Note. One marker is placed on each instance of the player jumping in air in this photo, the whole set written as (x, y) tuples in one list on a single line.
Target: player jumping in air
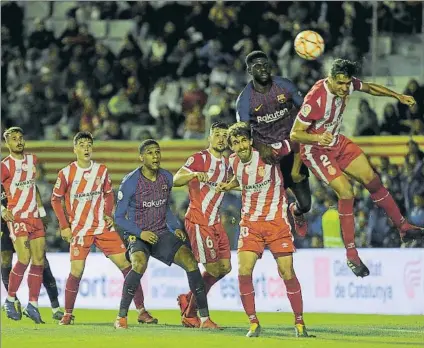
[(270, 104), (7, 251), (263, 224), (329, 154), (209, 241), (86, 188), (142, 212), (23, 217)]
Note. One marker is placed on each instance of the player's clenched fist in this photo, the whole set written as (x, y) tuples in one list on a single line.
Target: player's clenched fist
[(7, 215), (180, 234), (222, 187), (406, 99), (325, 139), (109, 221), (66, 234), (149, 237), (201, 176)]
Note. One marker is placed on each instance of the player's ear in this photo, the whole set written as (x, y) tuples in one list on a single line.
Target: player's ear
[(141, 158)]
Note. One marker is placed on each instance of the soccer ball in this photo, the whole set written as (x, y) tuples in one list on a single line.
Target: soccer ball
[(309, 44)]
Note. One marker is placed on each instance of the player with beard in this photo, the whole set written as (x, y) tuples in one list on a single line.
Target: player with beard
[(23, 217), (270, 104), (202, 172)]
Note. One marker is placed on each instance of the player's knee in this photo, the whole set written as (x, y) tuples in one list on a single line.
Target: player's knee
[(77, 269), (286, 273), (213, 269), (245, 270), (139, 262), (225, 268), (6, 259), (344, 192), (24, 256)]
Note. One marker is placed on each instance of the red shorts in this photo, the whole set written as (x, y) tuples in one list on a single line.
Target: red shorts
[(110, 243), (275, 234), (208, 243), (328, 163), (32, 228)]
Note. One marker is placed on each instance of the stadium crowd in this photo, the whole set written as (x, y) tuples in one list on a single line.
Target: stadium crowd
[(181, 66)]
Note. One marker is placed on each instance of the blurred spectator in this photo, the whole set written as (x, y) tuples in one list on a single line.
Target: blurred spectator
[(40, 38), (391, 123), (366, 120)]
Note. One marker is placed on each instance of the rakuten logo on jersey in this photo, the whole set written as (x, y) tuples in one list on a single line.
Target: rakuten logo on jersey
[(268, 118), (156, 204)]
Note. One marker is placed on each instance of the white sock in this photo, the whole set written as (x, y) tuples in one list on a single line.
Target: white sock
[(54, 310), (203, 319), (34, 303), (11, 299), (141, 310)]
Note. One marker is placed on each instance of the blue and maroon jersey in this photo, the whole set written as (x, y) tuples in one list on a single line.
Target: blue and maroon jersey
[(143, 205), (271, 115)]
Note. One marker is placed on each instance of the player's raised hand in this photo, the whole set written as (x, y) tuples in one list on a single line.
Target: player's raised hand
[(201, 176), (180, 234), (325, 139), (149, 237), (406, 99), (7, 215), (109, 221), (66, 234)]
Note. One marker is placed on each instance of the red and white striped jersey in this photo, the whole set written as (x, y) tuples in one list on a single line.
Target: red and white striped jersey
[(204, 200), (263, 194), (323, 111), (18, 179), (84, 190)]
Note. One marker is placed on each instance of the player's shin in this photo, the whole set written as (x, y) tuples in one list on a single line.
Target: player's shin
[(131, 283), (5, 273), (347, 223), (383, 199), (247, 295), (197, 287), (294, 294), (49, 283), (71, 292), (15, 279), (35, 279)]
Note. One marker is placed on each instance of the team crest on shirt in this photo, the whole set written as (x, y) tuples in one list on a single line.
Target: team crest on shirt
[(305, 110), (164, 188), (24, 167), (261, 171), (86, 176), (281, 98), (331, 170)]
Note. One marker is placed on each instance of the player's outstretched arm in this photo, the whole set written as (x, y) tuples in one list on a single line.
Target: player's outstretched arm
[(183, 177), (124, 197), (382, 91)]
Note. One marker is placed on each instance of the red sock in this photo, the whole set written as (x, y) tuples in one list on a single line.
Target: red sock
[(209, 280), (384, 200), (139, 295), (35, 279), (15, 278), (247, 295), (71, 292), (294, 293), (347, 224)]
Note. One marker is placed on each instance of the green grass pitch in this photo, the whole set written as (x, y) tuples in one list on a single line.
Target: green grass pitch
[(94, 329)]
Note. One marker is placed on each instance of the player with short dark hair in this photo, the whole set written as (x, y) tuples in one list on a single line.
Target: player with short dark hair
[(269, 104), (263, 224), (143, 213), (7, 251), (86, 189), (330, 155), (23, 217), (209, 241)]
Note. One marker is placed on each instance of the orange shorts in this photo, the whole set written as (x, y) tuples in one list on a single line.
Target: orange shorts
[(256, 235), (32, 228), (328, 163), (208, 243), (110, 243)]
